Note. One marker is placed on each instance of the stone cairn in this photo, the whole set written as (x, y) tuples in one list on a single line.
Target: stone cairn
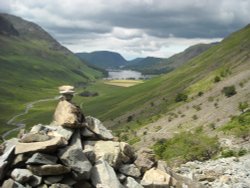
[(79, 152)]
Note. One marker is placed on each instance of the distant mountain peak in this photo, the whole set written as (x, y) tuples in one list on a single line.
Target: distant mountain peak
[(103, 59)]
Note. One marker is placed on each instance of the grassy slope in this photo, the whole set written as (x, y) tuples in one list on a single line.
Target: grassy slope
[(156, 96), (32, 69), (196, 75)]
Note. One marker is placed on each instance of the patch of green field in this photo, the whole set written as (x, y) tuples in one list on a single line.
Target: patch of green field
[(123, 83)]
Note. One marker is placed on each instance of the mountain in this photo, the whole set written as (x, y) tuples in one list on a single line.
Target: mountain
[(103, 59), (152, 65), (229, 59), (32, 65), (147, 65)]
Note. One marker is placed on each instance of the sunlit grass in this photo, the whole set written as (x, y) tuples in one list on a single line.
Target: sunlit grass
[(123, 83)]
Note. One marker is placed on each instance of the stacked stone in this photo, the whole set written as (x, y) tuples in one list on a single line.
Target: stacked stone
[(66, 155)]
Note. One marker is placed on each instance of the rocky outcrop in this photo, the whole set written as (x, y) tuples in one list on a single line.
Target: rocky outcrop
[(68, 159), (88, 156), (223, 173)]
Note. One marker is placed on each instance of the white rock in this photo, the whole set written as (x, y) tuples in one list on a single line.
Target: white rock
[(96, 126), (103, 175), (49, 145), (131, 183), (155, 177), (130, 170)]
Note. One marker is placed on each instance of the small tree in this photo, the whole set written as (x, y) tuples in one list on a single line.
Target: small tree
[(243, 106), (229, 91)]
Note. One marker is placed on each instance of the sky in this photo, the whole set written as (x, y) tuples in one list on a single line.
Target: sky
[(134, 28)]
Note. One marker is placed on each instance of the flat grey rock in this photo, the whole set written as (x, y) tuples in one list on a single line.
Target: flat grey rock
[(103, 175), (41, 158)]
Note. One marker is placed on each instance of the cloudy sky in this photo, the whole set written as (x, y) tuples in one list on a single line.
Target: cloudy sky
[(134, 28)]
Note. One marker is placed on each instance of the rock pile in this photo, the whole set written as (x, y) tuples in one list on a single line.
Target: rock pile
[(80, 153), (224, 173)]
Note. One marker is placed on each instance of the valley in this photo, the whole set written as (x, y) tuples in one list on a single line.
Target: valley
[(192, 106)]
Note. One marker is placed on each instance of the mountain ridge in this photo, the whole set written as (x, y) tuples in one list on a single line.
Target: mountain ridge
[(103, 59), (146, 65), (31, 63)]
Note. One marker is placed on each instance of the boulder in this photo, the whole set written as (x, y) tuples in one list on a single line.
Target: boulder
[(66, 115), (49, 180), (21, 175), (145, 159), (131, 183), (94, 125), (34, 137), (20, 160), (130, 170), (12, 184), (46, 170), (73, 157), (77, 161), (121, 177), (48, 146), (88, 134), (127, 151), (103, 175), (89, 150), (59, 185), (155, 178), (5, 160), (41, 158), (109, 151), (55, 130)]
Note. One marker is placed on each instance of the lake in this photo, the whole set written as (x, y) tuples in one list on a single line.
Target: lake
[(124, 74)]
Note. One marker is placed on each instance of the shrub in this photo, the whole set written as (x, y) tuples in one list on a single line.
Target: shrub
[(242, 152), (129, 118), (229, 91), (88, 94), (200, 93), (212, 126), (217, 79), (197, 107), (228, 153), (187, 146), (195, 117), (231, 153), (181, 97)]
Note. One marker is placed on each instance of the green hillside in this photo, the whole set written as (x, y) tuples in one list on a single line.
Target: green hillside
[(33, 65), (157, 96), (138, 105)]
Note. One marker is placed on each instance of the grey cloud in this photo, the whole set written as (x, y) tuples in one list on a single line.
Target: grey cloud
[(128, 21)]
